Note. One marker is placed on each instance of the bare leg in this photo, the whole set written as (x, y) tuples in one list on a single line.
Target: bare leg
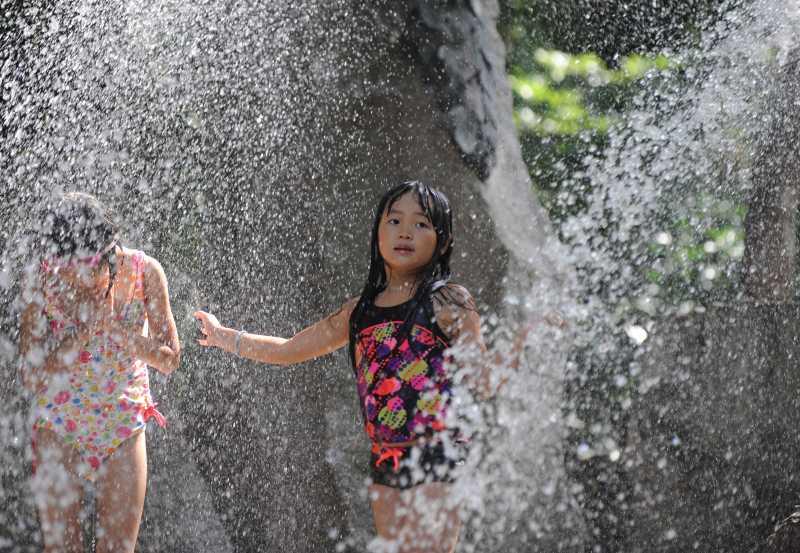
[(432, 522), (120, 496), (388, 518), (57, 490), (417, 520)]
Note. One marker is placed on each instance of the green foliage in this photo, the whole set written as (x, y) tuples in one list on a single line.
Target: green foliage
[(564, 110), (564, 106), (554, 100), (609, 28)]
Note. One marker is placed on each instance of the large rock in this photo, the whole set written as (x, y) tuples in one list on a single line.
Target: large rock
[(713, 446), (246, 148)]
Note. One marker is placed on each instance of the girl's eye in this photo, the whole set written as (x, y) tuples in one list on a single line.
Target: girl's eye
[(422, 225), (393, 221)]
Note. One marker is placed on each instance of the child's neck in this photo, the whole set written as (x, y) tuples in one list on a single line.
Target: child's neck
[(400, 286)]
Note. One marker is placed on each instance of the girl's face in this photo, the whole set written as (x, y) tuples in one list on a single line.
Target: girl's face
[(406, 237)]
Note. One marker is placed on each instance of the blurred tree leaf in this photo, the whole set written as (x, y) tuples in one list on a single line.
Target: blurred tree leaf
[(553, 100)]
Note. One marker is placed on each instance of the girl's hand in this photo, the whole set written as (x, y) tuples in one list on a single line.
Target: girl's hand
[(209, 327)]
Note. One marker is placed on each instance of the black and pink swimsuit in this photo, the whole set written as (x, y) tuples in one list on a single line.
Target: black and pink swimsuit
[(404, 388)]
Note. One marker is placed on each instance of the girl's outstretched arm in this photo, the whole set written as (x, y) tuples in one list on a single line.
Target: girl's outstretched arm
[(323, 337)]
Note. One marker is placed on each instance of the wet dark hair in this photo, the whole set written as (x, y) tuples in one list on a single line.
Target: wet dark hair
[(76, 224), (433, 276)]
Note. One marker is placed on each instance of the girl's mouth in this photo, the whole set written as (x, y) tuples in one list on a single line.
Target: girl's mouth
[(404, 249)]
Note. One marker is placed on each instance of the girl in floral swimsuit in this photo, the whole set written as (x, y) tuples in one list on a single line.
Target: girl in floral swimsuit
[(97, 312), (398, 331)]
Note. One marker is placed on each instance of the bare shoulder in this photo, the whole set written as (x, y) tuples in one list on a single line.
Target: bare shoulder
[(152, 267), (454, 308), (155, 280), (347, 308), (134, 260), (454, 297), (154, 276), (350, 304), (341, 317)]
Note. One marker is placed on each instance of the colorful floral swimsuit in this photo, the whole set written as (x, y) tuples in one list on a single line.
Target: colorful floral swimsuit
[(404, 390), (105, 397)]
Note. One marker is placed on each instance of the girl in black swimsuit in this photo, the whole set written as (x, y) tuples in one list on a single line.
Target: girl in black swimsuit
[(399, 331)]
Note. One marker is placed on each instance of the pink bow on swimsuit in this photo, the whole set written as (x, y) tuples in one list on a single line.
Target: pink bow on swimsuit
[(384, 453), (151, 411)]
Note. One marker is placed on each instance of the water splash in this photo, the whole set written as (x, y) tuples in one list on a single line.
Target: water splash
[(211, 130)]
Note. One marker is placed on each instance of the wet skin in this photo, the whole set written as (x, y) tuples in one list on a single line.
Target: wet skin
[(121, 480), (407, 242)]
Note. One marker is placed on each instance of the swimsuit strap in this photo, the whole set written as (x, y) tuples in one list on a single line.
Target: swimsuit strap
[(137, 263), (138, 268)]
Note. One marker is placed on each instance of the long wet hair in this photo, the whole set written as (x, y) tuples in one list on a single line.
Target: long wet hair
[(432, 277), (76, 224)]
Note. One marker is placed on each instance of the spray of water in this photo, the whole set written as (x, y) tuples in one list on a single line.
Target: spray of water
[(211, 130)]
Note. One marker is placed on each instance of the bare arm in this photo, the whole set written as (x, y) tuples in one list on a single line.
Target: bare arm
[(161, 349), (458, 317), (321, 338)]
